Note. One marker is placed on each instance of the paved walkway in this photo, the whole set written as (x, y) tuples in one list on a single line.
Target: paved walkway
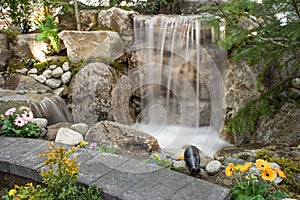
[(121, 177)]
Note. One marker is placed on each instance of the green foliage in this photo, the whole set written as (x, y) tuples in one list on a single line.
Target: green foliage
[(49, 31), (156, 160), (18, 124), (106, 149), (59, 180), (18, 11), (269, 102), (62, 6)]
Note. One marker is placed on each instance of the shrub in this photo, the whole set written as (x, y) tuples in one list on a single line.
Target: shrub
[(59, 178), (18, 123)]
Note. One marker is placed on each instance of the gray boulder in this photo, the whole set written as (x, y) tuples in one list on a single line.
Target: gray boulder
[(86, 45), (68, 136), (123, 138)]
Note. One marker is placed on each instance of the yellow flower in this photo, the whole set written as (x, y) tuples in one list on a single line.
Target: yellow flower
[(237, 168), (246, 167), (268, 174), (156, 156), (280, 173), (181, 157), (229, 169), (12, 192), (262, 164)]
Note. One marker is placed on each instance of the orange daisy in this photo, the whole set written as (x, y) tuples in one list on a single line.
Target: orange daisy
[(229, 169), (268, 174), (246, 167), (280, 173), (262, 164)]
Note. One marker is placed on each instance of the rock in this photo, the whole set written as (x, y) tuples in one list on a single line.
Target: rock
[(52, 67), (57, 72), (42, 122), (179, 163), (59, 91), (53, 83), (20, 46), (47, 73), (21, 82), (213, 167), (40, 78), (3, 41), (22, 71), (68, 136), (254, 171), (33, 71), (278, 180), (5, 56), (83, 45), (251, 159), (274, 165), (296, 83), (294, 93), (2, 81), (204, 161), (80, 127), (283, 126), (124, 138), (88, 19), (101, 100), (233, 160), (52, 129), (66, 77), (120, 20), (40, 50), (247, 23), (65, 66)]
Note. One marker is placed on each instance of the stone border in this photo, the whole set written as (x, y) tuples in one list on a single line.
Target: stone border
[(121, 177)]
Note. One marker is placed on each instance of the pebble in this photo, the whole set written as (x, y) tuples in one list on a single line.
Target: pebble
[(52, 67), (53, 83), (65, 66), (57, 72), (33, 71), (254, 171), (274, 165), (40, 78), (213, 167), (296, 83), (22, 71), (47, 73), (66, 77)]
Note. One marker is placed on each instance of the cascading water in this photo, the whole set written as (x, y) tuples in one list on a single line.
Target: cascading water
[(179, 79)]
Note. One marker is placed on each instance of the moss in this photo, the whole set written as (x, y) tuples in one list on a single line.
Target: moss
[(102, 28), (290, 166), (11, 35)]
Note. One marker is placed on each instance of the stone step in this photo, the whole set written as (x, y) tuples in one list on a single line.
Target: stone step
[(121, 177)]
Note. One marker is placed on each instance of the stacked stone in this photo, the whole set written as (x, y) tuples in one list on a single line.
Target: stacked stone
[(55, 77)]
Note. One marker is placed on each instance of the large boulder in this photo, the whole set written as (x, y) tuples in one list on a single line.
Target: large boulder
[(40, 50), (123, 138), (20, 46), (5, 56), (95, 97), (118, 19), (87, 45), (283, 126)]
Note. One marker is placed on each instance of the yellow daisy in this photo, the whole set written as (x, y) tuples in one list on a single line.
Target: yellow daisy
[(246, 167), (262, 164), (280, 173), (229, 169), (237, 168), (12, 192), (268, 174)]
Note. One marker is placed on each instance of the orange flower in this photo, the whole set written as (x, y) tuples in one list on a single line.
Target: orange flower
[(280, 173), (262, 164), (229, 169), (246, 167), (268, 174), (181, 157)]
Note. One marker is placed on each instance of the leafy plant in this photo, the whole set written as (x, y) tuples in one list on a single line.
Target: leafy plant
[(59, 178), (18, 11), (19, 124), (255, 186), (49, 31), (106, 148), (156, 160)]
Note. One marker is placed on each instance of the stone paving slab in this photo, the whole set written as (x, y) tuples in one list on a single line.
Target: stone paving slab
[(122, 178)]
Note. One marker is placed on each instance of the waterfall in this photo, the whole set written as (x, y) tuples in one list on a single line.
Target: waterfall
[(181, 82)]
